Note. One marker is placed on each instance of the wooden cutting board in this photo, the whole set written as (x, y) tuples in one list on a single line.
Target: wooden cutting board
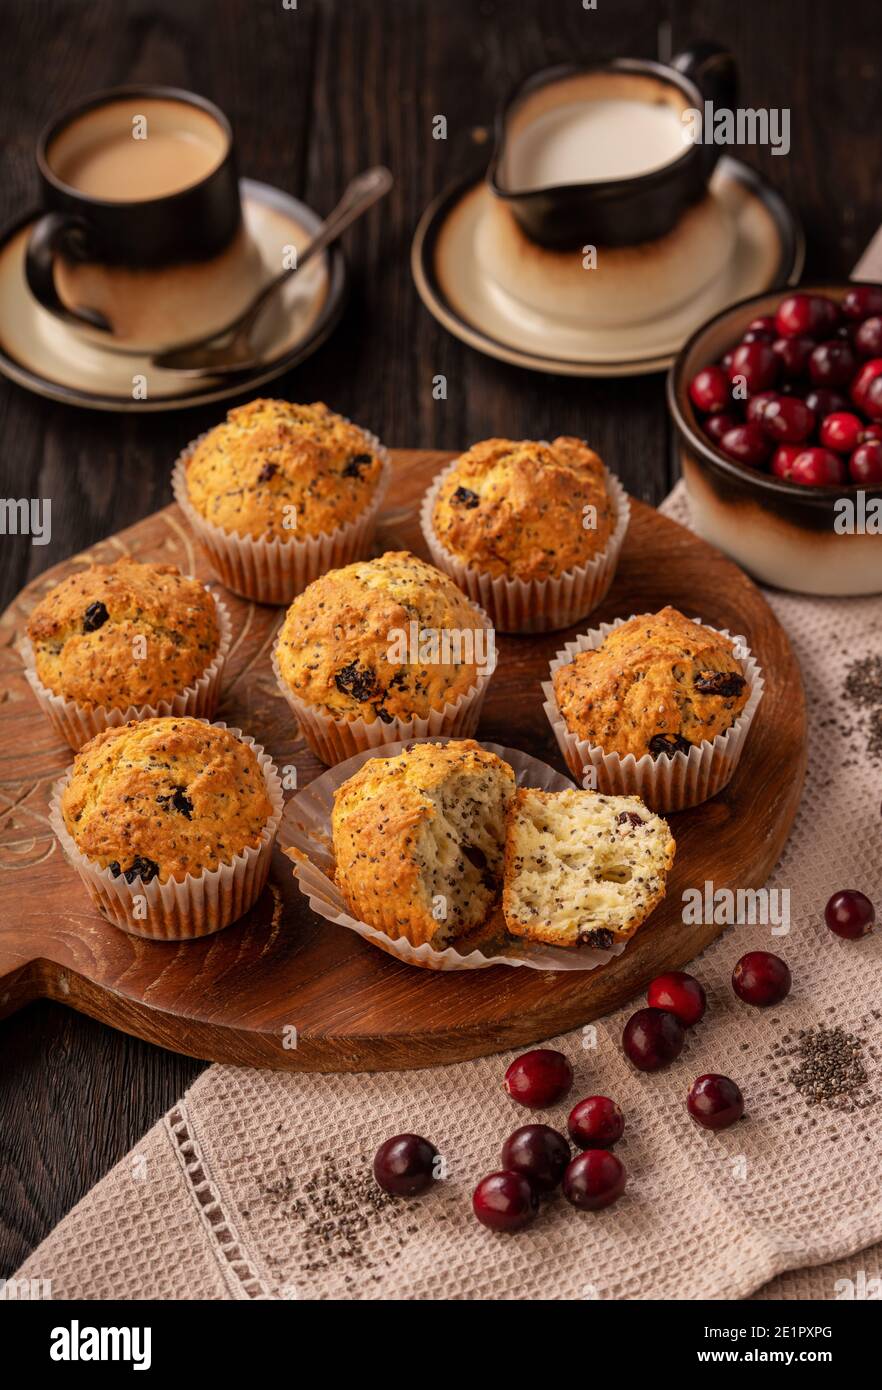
[(282, 975)]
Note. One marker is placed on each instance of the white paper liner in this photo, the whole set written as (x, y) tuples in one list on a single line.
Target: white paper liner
[(199, 904), (537, 605), (275, 571), (307, 831), (77, 725), (665, 784), (332, 740)]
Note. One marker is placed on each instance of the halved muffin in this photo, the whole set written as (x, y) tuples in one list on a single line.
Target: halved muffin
[(581, 868)]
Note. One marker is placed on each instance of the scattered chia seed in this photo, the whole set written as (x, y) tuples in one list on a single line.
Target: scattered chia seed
[(830, 1068), (863, 689)]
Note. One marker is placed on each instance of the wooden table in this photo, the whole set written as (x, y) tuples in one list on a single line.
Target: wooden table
[(315, 93)]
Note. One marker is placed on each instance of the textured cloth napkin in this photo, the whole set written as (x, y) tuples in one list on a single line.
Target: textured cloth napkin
[(258, 1183)]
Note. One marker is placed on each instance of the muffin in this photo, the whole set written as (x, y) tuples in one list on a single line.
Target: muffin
[(530, 530), (383, 650), (656, 705), (279, 493), (582, 869), (125, 641), (418, 840), (170, 823)]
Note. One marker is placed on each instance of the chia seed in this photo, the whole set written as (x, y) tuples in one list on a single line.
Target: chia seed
[(830, 1068), (863, 689)]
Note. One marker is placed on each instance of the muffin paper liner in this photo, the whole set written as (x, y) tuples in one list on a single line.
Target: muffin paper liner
[(196, 906), (332, 740), (275, 571), (536, 605), (665, 784), (77, 725), (306, 838)]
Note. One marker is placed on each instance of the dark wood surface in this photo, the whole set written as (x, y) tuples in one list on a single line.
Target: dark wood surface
[(316, 93), (231, 997)]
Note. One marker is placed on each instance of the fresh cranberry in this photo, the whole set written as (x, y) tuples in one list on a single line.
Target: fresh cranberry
[(850, 914), (653, 1038), (715, 426), (709, 390), (793, 355), (596, 1123), (841, 431), (714, 1101), (756, 364), (865, 464), (825, 402), (405, 1165), (505, 1201), (806, 314), (783, 458), (538, 1153), (817, 468), (726, 362), (757, 404), (832, 363), (594, 1179), (860, 387), (870, 432), (746, 444), (680, 994), (873, 399), (787, 420), (868, 338), (762, 979), (539, 1078), (862, 301), (765, 323), (758, 335)]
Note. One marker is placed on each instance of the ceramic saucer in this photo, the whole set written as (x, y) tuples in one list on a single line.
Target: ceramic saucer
[(47, 356), (483, 281)]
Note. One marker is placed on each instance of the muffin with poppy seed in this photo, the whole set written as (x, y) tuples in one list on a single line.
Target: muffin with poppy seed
[(530, 530), (279, 492), (128, 640), (658, 706), (382, 650), (170, 823)]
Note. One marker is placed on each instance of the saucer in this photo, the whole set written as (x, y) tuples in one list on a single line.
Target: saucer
[(50, 357), (757, 244)]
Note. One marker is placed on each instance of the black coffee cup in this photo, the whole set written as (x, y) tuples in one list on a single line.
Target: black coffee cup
[(613, 211), (141, 208)]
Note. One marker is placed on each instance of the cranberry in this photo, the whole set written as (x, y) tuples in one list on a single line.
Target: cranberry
[(405, 1165), (762, 979), (787, 420), (868, 338), (865, 464), (841, 431), (680, 994), (538, 1153), (504, 1201), (832, 363), (793, 355), (714, 1102), (870, 432), (850, 914), (805, 314), (746, 444), (539, 1078), (860, 387), (756, 364), (709, 390), (726, 362), (817, 468), (782, 460), (596, 1123), (757, 405), (594, 1179), (873, 399), (825, 402), (653, 1038), (758, 335), (717, 425), (765, 323), (861, 301)]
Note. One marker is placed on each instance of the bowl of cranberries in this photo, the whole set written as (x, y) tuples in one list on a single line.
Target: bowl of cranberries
[(777, 403)]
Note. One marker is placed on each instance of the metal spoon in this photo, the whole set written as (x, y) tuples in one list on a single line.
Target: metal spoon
[(228, 350)]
